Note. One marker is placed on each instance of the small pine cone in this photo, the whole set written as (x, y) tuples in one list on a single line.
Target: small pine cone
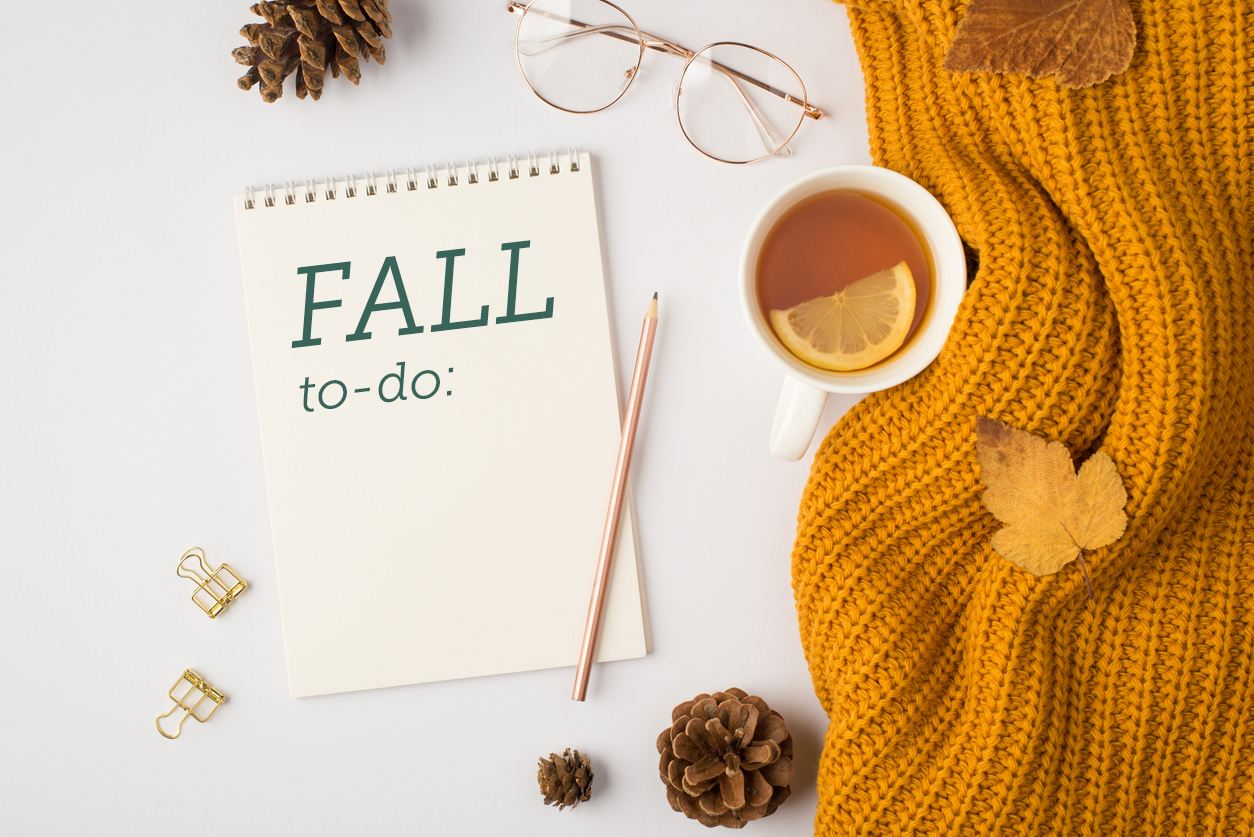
[(565, 779), (305, 38), (726, 759)]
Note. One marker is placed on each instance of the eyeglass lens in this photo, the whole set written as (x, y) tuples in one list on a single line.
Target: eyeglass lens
[(578, 55), (730, 103)]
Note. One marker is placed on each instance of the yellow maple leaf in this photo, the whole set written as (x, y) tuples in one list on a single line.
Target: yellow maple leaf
[(1051, 512)]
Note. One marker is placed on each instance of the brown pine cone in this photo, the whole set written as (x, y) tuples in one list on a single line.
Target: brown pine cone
[(565, 779), (726, 759), (306, 37)]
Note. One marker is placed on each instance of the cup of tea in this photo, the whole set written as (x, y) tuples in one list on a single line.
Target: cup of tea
[(850, 278)]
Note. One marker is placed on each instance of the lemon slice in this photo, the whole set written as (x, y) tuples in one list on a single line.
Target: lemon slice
[(853, 328)]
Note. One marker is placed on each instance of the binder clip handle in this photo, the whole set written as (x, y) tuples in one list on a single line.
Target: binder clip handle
[(188, 572), (179, 729)]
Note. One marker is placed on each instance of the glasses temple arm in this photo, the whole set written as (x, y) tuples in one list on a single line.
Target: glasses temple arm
[(771, 139), (809, 109), (615, 31), (612, 30)]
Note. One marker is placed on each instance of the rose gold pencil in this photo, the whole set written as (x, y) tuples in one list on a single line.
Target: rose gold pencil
[(616, 501)]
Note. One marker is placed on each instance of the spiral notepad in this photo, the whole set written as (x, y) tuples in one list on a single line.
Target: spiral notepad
[(439, 418)]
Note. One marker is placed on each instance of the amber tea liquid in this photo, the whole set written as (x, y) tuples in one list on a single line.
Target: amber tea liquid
[(834, 238)]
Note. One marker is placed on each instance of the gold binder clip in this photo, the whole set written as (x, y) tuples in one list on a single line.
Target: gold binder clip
[(215, 589), (189, 699)]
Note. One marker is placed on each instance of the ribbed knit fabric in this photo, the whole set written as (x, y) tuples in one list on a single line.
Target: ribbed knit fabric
[(1111, 309)]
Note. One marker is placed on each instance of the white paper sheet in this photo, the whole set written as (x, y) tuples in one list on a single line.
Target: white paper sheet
[(449, 529)]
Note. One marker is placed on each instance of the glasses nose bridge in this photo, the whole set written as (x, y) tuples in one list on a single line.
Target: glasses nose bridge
[(659, 44)]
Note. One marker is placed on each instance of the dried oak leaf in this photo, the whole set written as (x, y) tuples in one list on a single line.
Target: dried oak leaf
[(1080, 42), (1050, 511)]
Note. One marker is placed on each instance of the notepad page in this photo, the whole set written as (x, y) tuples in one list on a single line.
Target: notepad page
[(440, 420)]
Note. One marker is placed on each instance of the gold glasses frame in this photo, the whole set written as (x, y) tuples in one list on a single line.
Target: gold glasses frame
[(649, 41)]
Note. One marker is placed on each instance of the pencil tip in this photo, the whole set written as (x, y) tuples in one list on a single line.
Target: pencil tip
[(655, 294), (651, 314)]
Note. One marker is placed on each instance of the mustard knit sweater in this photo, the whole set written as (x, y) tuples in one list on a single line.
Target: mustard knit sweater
[(1111, 309)]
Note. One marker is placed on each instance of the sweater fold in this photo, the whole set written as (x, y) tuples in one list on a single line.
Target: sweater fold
[(1110, 310)]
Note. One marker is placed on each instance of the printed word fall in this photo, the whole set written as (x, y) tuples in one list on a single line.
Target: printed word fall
[(391, 271)]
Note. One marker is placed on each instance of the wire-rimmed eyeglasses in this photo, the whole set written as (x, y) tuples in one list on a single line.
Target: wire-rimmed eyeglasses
[(736, 103)]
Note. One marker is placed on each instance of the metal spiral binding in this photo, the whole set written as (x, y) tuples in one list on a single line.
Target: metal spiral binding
[(436, 177)]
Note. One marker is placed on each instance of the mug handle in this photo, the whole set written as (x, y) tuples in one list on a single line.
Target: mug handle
[(796, 418)]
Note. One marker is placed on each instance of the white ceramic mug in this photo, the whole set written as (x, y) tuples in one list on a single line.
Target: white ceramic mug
[(806, 387)]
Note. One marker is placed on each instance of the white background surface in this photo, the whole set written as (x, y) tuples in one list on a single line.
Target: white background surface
[(129, 430)]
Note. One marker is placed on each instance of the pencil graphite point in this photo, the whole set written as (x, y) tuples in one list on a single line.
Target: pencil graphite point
[(652, 312)]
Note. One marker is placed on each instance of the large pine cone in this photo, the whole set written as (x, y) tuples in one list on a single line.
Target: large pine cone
[(726, 759), (565, 779), (306, 37)]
